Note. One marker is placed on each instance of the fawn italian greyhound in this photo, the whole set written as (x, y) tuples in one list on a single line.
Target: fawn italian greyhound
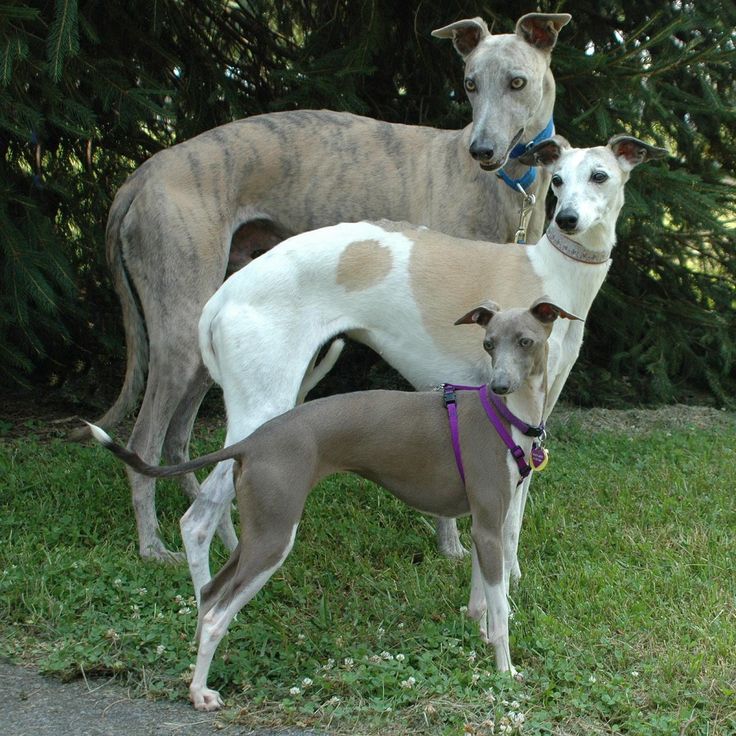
[(448, 454), (207, 206), (398, 289)]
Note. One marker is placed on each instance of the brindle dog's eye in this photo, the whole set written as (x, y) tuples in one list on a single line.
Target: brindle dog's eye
[(517, 83), (557, 180), (470, 85), (599, 177), (526, 342)]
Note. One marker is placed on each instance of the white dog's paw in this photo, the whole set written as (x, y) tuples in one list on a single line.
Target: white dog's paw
[(205, 699), (515, 572)]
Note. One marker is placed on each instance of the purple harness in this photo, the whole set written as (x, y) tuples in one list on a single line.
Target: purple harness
[(493, 407)]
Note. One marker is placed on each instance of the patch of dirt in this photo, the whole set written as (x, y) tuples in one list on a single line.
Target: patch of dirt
[(675, 416)]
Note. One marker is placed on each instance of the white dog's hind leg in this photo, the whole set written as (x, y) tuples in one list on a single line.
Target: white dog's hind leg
[(202, 518)]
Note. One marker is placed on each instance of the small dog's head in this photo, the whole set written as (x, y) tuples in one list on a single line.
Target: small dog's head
[(515, 339)]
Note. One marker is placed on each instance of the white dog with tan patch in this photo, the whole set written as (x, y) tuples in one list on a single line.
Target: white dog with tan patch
[(398, 290)]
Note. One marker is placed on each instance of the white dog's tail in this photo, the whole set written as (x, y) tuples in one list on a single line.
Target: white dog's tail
[(162, 471), (314, 374)]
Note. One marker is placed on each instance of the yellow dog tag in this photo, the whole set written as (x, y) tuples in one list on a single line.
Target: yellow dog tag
[(538, 458)]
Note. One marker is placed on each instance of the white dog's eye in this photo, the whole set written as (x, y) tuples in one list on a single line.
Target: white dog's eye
[(526, 342), (517, 83), (599, 177), (489, 344), (470, 85), (557, 180)]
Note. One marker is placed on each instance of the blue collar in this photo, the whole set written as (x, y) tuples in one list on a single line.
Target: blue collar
[(527, 179)]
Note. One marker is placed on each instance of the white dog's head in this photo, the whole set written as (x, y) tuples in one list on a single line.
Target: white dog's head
[(589, 182)]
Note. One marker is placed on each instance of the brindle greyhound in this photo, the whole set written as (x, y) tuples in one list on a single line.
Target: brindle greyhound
[(401, 440), (243, 187), (398, 290)]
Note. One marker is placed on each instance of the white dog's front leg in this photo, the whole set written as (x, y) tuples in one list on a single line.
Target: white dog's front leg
[(511, 533), (448, 539)]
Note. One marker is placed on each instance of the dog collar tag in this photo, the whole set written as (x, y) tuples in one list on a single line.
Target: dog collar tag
[(538, 458)]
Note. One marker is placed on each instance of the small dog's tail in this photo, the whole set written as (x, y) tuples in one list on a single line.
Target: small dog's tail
[(162, 471)]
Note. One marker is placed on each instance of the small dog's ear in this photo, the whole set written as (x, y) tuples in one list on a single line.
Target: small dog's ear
[(541, 29), (631, 151), (546, 312), (465, 34), (546, 152), (480, 315)]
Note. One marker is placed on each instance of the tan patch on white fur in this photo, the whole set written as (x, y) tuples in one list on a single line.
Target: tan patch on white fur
[(363, 264), (449, 276)]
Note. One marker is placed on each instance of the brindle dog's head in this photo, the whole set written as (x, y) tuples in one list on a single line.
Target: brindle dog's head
[(507, 80)]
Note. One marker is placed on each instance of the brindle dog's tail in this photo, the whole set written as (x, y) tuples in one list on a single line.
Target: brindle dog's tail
[(136, 339), (161, 471)]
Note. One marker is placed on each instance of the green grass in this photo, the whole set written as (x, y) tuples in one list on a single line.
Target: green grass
[(624, 621)]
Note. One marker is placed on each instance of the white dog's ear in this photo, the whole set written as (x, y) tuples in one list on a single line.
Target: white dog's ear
[(631, 151), (541, 29), (465, 34), (546, 152), (545, 311), (480, 315)]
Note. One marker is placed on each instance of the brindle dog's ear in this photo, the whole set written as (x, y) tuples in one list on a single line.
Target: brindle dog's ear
[(546, 152), (541, 29), (545, 311), (465, 34), (480, 315), (631, 151)]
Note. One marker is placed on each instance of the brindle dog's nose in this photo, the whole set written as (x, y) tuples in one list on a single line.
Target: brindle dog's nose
[(481, 152)]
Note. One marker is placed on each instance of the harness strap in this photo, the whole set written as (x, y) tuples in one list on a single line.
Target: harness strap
[(489, 401), (530, 176), (516, 452), (528, 430), (448, 396)]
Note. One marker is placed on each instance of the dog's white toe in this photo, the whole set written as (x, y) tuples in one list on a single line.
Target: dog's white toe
[(206, 699)]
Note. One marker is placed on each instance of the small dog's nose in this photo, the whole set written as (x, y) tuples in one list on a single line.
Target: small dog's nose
[(500, 388), (481, 152), (567, 220)]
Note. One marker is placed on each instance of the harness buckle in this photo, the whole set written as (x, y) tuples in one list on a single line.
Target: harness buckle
[(448, 394), (517, 453)]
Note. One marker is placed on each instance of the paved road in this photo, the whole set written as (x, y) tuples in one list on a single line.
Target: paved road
[(33, 705)]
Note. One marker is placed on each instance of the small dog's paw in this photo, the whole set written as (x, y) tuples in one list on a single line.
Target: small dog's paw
[(205, 699)]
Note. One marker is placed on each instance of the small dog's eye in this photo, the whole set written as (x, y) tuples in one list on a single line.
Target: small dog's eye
[(489, 344), (599, 177), (470, 85), (556, 180), (517, 83), (526, 342)]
